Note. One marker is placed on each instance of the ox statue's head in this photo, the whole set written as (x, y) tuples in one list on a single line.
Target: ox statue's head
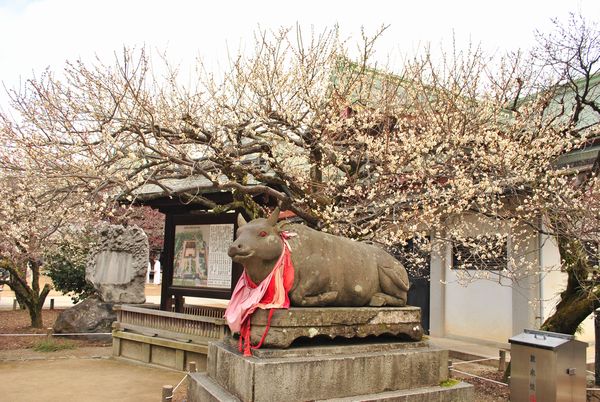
[(257, 245)]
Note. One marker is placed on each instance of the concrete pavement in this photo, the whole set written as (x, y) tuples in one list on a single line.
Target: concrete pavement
[(470, 350), (475, 350)]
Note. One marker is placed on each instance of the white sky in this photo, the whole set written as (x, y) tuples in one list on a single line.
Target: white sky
[(39, 33)]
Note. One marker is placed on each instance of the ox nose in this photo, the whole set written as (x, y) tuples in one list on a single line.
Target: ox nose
[(234, 249)]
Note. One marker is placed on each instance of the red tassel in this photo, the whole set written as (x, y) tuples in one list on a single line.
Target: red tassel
[(262, 339), (247, 351), (244, 344)]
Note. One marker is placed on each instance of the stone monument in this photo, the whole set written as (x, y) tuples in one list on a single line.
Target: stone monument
[(348, 334), (116, 266)]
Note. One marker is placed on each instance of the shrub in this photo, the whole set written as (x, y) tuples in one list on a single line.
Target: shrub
[(65, 265), (50, 345)]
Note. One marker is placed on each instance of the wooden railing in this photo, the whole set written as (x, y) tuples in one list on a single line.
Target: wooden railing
[(200, 325), (204, 311)]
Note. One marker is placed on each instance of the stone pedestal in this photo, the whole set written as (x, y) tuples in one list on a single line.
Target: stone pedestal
[(343, 322), (380, 369)]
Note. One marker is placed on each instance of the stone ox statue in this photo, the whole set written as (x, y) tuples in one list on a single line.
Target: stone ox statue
[(328, 270)]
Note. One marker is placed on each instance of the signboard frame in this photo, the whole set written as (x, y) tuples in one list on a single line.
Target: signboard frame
[(174, 293)]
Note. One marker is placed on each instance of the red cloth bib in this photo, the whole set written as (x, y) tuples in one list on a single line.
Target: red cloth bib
[(271, 293)]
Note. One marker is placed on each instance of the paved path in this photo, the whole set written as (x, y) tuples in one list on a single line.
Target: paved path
[(60, 301), (472, 350), (89, 380)]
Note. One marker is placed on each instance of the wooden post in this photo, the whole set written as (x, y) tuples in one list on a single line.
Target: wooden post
[(192, 367), (179, 301), (168, 302), (146, 352), (502, 361), (167, 393), (48, 334), (51, 304), (116, 346), (179, 359), (15, 304)]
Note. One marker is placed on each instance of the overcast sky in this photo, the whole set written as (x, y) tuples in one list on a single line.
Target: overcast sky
[(39, 33)]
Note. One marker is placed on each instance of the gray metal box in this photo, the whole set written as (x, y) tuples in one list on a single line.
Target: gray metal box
[(547, 367)]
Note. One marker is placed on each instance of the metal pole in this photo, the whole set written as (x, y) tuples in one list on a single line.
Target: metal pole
[(51, 304)]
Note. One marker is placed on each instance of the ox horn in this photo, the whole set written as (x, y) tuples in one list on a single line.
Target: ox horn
[(241, 221), (272, 220)]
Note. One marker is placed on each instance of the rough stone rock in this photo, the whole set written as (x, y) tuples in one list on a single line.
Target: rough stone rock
[(91, 315), (117, 264)]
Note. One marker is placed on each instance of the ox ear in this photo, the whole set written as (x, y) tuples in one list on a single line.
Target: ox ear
[(241, 221), (272, 220)]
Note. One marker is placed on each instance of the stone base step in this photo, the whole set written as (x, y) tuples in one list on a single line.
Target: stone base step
[(311, 373), (461, 392), (203, 389)]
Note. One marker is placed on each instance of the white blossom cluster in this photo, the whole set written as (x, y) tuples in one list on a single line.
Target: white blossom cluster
[(350, 149)]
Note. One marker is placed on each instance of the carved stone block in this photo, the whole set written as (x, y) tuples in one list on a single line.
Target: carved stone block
[(332, 322), (117, 264)]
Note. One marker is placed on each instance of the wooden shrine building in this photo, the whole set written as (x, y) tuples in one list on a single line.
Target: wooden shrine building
[(194, 260)]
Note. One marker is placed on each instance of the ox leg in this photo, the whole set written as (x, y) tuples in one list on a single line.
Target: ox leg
[(323, 299), (381, 299), (393, 281), (311, 291)]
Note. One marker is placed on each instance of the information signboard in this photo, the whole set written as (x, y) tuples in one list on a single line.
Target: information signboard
[(200, 256)]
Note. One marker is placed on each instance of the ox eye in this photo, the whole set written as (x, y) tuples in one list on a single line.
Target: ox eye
[(263, 234)]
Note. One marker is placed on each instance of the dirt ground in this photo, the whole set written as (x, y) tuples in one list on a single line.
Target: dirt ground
[(18, 322), (83, 373), (83, 379), (485, 391)]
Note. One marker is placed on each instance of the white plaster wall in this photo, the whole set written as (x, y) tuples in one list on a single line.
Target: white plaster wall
[(587, 330), (524, 260), (437, 300), (553, 281), (481, 308), (492, 309)]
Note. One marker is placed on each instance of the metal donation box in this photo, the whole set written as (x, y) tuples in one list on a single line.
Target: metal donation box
[(547, 367)]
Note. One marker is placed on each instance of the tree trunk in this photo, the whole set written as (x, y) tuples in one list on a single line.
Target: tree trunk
[(36, 317), (570, 312), (579, 299), (20, 299), (29, 296)]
